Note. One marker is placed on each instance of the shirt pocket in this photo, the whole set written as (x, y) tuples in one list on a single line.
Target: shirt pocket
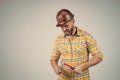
[(64, 49), (80, 48)]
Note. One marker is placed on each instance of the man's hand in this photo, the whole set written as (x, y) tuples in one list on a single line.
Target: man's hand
[(55, 66), (57, 70), (93, 61), (79, 69)]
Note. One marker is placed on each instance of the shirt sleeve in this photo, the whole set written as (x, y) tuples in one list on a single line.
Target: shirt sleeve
[(93, 47), (56, 53)]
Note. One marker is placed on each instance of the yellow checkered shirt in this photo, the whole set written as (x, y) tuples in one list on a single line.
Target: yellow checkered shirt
[(75, 52)]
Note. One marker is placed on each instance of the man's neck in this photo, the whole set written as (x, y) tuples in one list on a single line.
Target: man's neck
[(73, 33)]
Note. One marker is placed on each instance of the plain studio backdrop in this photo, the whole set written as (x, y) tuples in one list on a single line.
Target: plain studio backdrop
[(28, 30)]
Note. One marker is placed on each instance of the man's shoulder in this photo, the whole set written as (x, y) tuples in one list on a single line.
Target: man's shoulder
[(60, 36), (85, 34), (82, 32)]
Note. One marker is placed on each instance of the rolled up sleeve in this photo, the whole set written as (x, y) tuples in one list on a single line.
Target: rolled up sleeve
[(56, 53), (93, 47)]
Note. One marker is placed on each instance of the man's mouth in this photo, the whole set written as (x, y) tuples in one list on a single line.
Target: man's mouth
[(67, 31)]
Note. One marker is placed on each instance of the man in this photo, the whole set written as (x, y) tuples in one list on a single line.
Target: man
[(70, 57)]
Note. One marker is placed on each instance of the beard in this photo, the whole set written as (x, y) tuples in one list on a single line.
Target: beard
[(68, 32)]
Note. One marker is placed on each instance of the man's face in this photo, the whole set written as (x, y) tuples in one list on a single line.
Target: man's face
[(67, 28)]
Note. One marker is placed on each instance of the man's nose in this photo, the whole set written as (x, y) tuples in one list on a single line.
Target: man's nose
[(64, 28)]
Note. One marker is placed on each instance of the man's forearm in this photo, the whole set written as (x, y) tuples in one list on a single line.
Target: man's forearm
[(93, 61), (55, 66), (54, 63)]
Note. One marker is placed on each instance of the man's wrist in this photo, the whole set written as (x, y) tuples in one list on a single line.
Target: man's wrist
[(84, 66)]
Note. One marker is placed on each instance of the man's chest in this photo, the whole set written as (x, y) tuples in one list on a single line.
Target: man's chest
[(76, 45)]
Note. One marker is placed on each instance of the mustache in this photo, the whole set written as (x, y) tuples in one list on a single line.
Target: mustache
[(66, 30)]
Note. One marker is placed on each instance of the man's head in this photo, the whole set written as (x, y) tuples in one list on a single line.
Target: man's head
[(65, 20)]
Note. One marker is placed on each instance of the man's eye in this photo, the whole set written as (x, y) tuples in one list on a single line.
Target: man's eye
[(66, 26)]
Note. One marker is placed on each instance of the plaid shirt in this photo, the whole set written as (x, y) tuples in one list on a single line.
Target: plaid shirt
[(75, 52)]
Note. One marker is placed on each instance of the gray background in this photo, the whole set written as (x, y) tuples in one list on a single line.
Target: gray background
[(27, 33)]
